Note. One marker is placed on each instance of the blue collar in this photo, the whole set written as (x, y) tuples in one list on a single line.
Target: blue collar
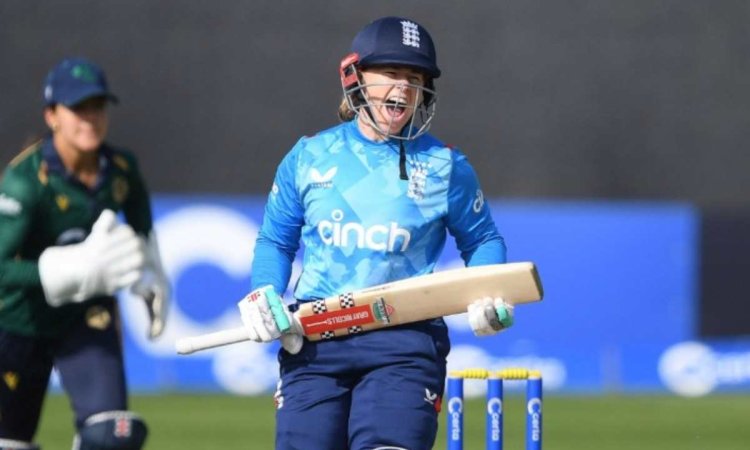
[(55, 165)]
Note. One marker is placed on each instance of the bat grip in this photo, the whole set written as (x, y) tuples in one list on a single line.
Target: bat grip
[(278, 310), (188, 345)]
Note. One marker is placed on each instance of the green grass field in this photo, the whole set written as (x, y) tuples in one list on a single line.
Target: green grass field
[(222, 422)]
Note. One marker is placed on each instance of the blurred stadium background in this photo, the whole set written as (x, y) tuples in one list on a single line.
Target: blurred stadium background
[(611, 137)]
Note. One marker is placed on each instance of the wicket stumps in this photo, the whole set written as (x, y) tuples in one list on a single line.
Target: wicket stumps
[(494, 406)]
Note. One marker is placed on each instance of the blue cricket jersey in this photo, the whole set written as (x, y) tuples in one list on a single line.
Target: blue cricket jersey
[(340, 195)]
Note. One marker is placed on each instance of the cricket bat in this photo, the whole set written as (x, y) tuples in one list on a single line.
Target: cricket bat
[(399, 302)]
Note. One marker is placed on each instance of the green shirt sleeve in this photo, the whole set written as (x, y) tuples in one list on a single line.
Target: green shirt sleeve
[(137, 207), (18, 197)]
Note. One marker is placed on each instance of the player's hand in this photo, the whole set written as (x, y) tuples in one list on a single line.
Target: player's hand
[(111, 258), (266, 318), (488, 316), (154, 288)]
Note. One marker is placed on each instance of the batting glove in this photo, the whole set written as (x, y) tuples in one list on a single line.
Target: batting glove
[(488, 316), (266, 319)]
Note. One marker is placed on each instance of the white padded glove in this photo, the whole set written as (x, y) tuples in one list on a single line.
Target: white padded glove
[(488, 316), (110, 258), (11, 444), (154, 288), (266, 318)]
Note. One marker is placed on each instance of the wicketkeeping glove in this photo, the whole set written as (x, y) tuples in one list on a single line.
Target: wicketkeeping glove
[(266, 318), (110, 258), (488, 316), (154, 288)]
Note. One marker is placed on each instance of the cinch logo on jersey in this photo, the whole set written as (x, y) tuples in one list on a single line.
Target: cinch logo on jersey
[(376, 237)]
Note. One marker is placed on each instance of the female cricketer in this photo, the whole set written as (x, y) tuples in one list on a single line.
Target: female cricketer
[(372, 200), (63, 255)]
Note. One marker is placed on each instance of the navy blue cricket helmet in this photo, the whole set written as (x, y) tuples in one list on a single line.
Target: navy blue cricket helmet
[(391, 41), (396, 41)]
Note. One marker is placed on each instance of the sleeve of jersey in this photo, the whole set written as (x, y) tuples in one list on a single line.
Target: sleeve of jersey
[(469, 218), (137, 207), (17, 200), (278, 240)]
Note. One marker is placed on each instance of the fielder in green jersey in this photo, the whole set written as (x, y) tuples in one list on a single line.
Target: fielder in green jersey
[(41, 206), (64, 254)]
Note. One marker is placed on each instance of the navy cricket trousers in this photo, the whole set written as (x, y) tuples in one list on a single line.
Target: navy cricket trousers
[(89, 361), (376, 389)]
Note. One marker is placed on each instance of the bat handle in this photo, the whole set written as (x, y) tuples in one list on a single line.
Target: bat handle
[(278, 310), (188, 345)]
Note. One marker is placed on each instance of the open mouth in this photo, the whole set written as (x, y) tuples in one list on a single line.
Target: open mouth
[(396, 107)]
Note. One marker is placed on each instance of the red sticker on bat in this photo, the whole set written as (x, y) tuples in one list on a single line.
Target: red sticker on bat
[(334, 320)]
